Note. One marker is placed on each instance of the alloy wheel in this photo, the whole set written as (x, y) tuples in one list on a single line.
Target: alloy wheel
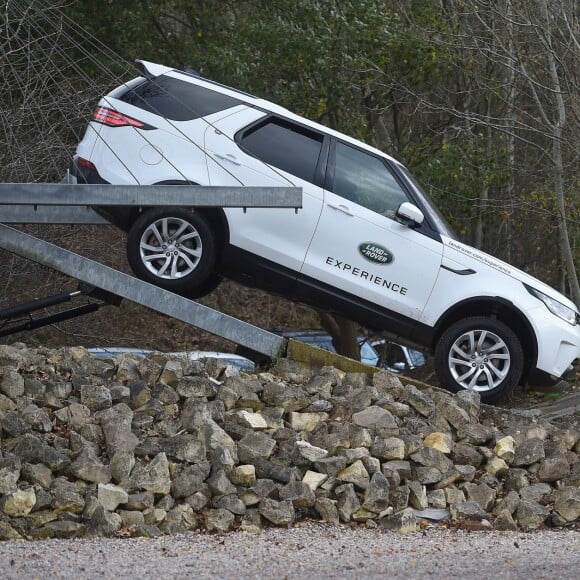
[(170, 248), (479, 360)]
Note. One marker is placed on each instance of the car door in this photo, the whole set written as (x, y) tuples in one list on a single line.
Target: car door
[(252, 149), (360, 247)]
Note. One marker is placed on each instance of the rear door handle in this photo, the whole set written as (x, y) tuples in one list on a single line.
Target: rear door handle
[(342, 208), (229, 157)]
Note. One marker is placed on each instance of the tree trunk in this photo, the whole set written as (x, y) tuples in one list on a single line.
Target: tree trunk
[(343, 333), (558, 164)]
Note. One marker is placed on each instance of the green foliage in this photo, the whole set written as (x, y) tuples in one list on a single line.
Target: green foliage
[(457, 173)]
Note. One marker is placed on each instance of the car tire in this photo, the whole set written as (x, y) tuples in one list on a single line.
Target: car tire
[(480, 354), (212, 282), (184, 264)]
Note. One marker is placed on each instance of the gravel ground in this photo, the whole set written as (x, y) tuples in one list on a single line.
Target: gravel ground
[(309, 551)]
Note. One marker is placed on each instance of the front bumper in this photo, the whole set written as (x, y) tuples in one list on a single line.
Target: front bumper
[(538, 378), (558, 344)]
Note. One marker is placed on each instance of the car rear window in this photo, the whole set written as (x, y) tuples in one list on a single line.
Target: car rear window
[(177, 100)]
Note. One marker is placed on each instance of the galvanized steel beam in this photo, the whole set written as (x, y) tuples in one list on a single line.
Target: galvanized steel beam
[(50, 214), (67, 194), (96, 274)]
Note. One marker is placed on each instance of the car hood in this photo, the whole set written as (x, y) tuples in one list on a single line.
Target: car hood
[(470, 257)]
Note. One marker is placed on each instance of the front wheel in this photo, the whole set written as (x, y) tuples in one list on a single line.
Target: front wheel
[(175, 249), (480, 354)]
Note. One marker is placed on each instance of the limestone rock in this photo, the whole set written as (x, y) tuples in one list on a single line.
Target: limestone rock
[(418, 400), (417, 495), (554, 469), (530, 515), (12, 384), (403, 522), (327, 510), (567, 504), (388, 448), (253, 445), (116, 425), (467, 510), (314, 479), (528, 452), (355, 474), (376, 497), (187, 447), (348, 503), (18, 503), (306, 421), (505, 448), (36, 474), (219, 520), (189, 479), (195, 387), (243, 475), (67, 497), (251, 420), (289, 397), (482, 494), (111, 496), (280, 513), (220, 484), (95, 397), (440, 441), (431, 457), (87, 466), (188, 451), (153, 476), (375, 418), (31, 449), (311, 452), (299, 493), (10, 468), (504, 522), (104, 523), (496, 466)]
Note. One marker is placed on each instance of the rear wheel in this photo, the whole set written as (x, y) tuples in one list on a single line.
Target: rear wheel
[(175, 249), (480, 354)]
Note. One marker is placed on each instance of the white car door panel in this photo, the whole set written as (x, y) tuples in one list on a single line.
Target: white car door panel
[(366, 252), (373, 257), (280, 235)]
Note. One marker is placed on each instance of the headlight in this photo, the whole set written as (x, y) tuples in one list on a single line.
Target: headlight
[(556, 308)]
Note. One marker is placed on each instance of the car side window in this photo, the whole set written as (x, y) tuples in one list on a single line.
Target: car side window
[(395, 355), (286, 146), (366, 180)]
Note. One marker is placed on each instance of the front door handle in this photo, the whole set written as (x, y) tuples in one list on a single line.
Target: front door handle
[(342, 208)]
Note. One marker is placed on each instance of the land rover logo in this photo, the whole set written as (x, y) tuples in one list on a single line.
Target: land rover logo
[(376, 253)]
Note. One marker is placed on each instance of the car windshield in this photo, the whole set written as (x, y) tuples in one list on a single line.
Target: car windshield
[(436, 216)]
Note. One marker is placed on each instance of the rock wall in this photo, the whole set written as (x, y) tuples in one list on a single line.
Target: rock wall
[(125, 446)]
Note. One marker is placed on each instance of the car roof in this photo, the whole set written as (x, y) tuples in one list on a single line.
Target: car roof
[(151, 70)]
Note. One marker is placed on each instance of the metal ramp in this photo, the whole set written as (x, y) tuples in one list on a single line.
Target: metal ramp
[(29, 203)]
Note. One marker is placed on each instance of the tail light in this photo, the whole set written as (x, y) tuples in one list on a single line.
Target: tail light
[(82, 162), (113, 118)]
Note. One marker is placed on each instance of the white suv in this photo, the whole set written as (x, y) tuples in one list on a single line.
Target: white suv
[(368, 243)]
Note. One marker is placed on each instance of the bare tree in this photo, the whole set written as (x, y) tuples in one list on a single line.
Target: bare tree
[(516, 82), (549, 74)]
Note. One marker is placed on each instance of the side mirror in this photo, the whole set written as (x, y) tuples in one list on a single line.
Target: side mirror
[(410, 215)]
